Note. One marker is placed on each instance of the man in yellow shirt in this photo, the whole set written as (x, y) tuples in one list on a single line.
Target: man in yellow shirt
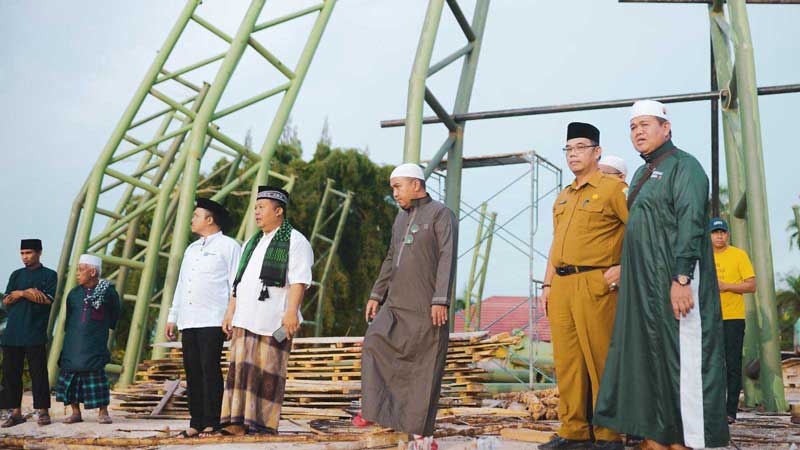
[(736, 277)]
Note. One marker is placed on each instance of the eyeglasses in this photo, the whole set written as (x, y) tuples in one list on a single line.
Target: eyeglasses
[(580, 148)]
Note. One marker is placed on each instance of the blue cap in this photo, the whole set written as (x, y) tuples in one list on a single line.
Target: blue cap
[(718, 224)]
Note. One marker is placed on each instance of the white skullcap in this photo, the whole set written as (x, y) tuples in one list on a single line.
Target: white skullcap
[(615, 162), (649, 108), (408, 170), (91, 260)]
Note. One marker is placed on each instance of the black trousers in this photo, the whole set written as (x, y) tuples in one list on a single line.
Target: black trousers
[(13, 363), (734, 340), (202, 350)]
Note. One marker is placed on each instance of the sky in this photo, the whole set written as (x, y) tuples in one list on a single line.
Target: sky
[(69, 70)]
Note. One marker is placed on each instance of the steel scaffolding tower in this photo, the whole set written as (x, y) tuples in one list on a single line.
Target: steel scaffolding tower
[(341, 208), (158, 186), (733, 70)]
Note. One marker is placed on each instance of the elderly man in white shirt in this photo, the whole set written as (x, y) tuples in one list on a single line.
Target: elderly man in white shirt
[(262, 317), (205, 285)]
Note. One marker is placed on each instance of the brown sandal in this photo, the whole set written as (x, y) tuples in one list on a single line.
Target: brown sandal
[(44, 419), (73, 419), (104, 419)]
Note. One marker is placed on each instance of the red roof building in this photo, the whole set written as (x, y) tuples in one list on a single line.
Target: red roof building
[(512, 313)]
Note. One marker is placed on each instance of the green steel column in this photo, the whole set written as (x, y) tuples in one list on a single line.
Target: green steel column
[(133, 227), (416, 83), (473, 271), (64, 259), (326, 195), (186, 204), (482, 282), (757, 210), (96, 176), (735, 178), (463, 96), (329, 262), (287, 102)]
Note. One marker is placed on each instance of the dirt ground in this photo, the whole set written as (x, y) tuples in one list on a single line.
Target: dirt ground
[(752, 431)]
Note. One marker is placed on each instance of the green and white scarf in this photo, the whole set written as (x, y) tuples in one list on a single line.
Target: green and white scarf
[(276, 260)]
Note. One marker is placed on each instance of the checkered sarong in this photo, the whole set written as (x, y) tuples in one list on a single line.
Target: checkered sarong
[(89, 388), (256, 381)]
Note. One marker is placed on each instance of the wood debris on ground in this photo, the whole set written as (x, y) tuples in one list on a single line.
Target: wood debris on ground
[(541, 405), (323, 379)]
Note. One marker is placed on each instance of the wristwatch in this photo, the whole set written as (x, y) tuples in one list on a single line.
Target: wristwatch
[(683, 280)]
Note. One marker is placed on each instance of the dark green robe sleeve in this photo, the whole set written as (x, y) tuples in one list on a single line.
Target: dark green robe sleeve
[(11, 286), (690, 195), (50, 284)]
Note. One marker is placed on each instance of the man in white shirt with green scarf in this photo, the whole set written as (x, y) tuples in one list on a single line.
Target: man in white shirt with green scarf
[(274, 273)]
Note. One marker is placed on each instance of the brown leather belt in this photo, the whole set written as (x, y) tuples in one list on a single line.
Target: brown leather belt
[(572, 270)]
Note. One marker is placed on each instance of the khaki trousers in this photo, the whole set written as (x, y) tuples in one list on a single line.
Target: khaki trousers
[(581, 312)]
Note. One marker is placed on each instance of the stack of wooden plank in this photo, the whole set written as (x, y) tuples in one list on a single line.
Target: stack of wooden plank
[(791, 373), (324, 377)]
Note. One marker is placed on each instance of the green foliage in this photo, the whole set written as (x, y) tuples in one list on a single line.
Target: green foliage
[(788, 302), (794, 234)]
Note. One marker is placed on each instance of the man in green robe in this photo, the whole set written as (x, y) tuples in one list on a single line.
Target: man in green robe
[(664, 378), (92, 311), (27, 301)]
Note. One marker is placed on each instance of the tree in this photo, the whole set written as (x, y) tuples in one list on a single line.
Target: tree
[(788, 302), (794, 229)]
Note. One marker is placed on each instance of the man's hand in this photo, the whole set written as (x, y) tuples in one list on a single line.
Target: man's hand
[(723, 286), (438, 315), (681, 298), (372, 310), (36, 296), (227, 324), (13, 297), (545, 297), (612, 277), (290, 323), (170, 331)]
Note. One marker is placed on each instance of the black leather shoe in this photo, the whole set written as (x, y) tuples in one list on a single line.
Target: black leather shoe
[(561, 443), (632, 440), (608, 445)]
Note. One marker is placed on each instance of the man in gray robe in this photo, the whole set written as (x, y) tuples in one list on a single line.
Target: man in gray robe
[(405, 346)]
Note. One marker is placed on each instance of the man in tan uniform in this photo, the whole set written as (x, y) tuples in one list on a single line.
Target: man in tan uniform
[(580, 286)]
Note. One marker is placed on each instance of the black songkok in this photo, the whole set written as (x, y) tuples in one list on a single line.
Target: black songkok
[(221, 216), (31, 244), (583, 130)]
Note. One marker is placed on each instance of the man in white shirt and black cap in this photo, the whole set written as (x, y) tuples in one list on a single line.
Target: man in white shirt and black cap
[(263, 315), (205, 286)]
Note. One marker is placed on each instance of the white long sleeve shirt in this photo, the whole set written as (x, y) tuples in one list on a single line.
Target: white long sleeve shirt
[(205, 282), (264, 317)]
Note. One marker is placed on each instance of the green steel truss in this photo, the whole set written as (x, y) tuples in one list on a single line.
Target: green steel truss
[(473, 296), (152, 179), (334, 203), (735, 71), (419, 94)]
